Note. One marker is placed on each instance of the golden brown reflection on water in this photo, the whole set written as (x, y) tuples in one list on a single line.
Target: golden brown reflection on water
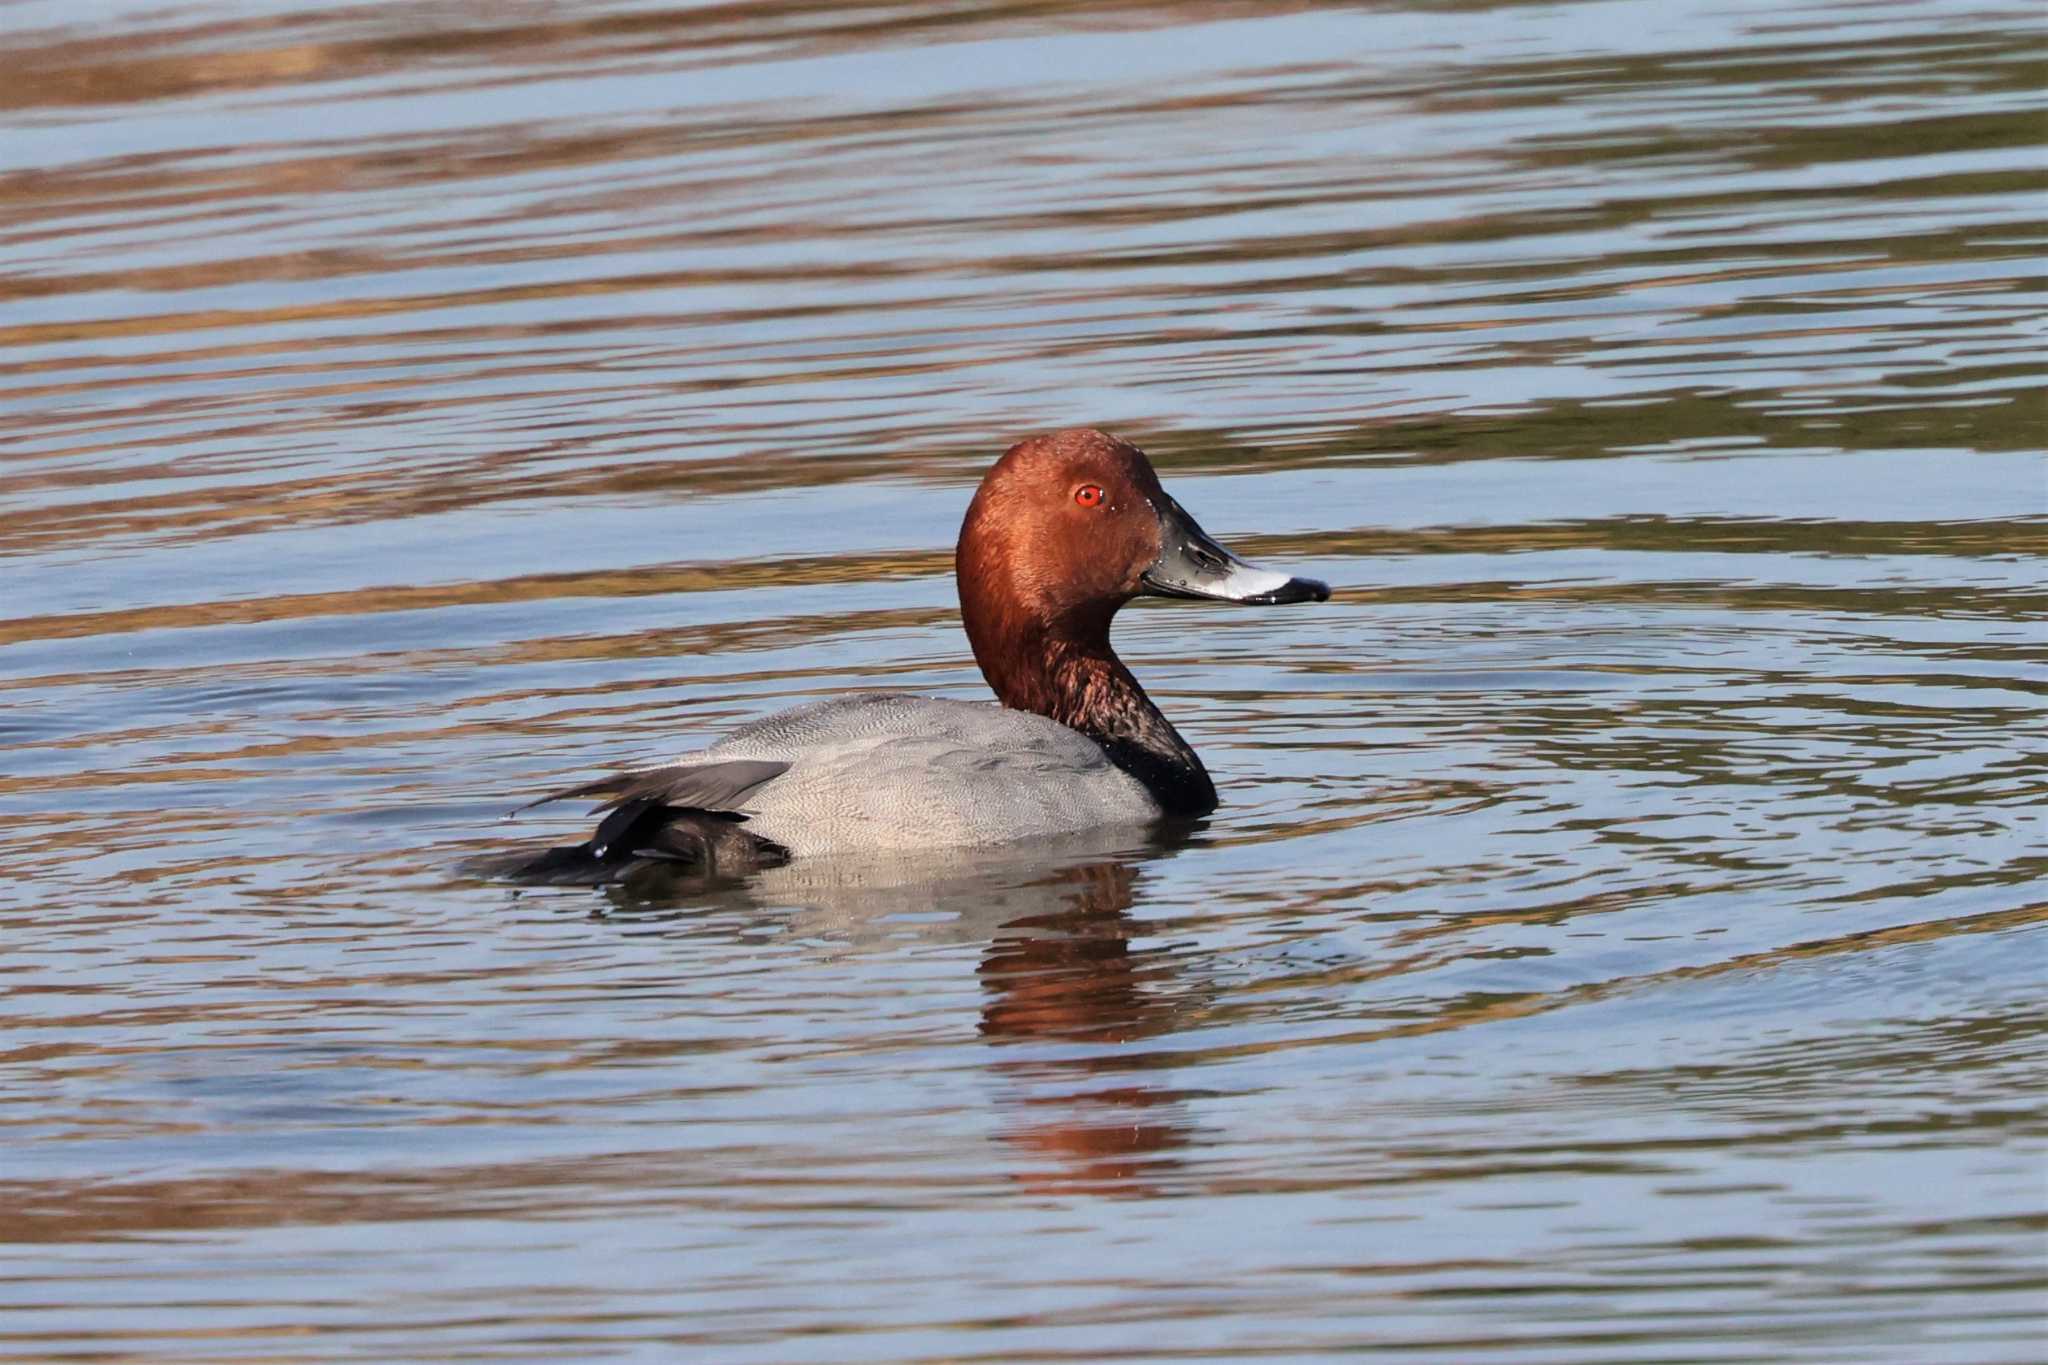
[(1621, 940)]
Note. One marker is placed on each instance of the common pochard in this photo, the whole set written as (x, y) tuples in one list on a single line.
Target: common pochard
[(1063, 531)]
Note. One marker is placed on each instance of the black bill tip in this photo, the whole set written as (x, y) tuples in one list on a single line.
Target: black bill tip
[(1293, 590)]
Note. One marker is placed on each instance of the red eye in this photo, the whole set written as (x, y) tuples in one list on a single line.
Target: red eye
[(1089, 495)]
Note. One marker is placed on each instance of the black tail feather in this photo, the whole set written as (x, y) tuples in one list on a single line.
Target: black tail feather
[(641, 838)]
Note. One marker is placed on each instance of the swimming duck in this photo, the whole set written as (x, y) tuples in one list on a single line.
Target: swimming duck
[(1063, 531)]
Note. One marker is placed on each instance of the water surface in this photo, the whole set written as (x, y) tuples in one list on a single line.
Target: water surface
[(1623, 935)]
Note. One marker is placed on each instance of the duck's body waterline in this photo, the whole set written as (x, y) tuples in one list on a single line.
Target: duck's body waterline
[(931, 773), (1062, 532)]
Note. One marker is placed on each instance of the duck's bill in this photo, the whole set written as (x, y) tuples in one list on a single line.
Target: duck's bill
[(1192, 565)]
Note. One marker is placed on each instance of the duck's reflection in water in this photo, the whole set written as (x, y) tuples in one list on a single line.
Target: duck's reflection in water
[(1069, 974), (1065, 997)]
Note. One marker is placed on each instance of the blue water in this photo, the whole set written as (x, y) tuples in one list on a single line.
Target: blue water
[(1621, 939)]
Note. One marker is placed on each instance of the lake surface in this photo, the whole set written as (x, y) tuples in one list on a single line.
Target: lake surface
[(1624, 936)]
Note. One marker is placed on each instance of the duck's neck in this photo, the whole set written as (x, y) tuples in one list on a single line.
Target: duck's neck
[(1071, 675)]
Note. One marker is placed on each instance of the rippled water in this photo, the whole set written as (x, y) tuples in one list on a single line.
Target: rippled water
[(1623, 935)]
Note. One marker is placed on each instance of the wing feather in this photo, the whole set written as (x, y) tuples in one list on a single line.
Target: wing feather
[(719, 786)]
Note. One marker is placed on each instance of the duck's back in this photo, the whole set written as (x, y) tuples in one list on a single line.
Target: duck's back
[(881, 770)]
